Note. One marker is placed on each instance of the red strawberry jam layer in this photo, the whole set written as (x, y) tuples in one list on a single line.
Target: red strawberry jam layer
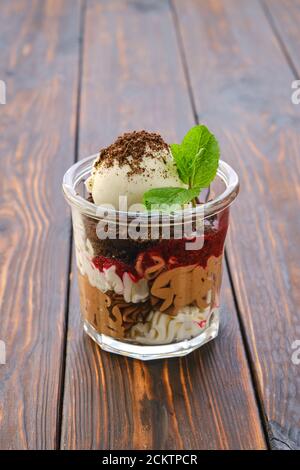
[(172, 253), (102, 263)]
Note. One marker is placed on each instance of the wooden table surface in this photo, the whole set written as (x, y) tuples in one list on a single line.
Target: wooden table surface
[(77, 74)]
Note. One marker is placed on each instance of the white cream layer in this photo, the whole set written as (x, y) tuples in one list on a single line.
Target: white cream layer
[(161, 328), (108, 279)]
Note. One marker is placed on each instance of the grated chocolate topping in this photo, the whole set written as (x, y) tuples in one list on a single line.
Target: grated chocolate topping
[(130, 148)]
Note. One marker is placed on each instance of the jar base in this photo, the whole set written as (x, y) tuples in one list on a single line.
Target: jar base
[(148, 353)]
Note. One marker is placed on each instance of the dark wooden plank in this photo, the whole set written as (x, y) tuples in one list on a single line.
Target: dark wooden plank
[(284, 16), (242, 87), (133, 78), (39, 63)]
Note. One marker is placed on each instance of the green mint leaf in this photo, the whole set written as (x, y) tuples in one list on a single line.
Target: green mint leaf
[(181, 164), (197, 157), (169, 196), (197, 160), (201, 156)]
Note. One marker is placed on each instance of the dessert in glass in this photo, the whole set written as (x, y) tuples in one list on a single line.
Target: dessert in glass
[(149, 241)]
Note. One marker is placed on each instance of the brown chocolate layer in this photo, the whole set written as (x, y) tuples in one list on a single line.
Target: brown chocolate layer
[(108, 312), (122, 250)]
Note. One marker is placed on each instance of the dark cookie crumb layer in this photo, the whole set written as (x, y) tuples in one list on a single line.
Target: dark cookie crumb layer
[(129, 149)]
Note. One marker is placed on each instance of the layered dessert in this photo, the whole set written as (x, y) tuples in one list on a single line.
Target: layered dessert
[(150, 291)]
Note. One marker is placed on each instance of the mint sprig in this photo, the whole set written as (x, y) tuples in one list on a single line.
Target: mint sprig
[(197, 160), (169, 196)]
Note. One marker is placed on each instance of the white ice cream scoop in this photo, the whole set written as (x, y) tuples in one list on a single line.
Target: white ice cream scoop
[(155, 169)]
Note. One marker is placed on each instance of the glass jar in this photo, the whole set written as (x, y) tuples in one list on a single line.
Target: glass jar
[(150, 282)]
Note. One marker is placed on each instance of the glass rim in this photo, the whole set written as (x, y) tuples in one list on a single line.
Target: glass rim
[(83, 167)]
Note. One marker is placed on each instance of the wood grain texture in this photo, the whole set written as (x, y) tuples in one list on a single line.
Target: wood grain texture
[(39, 63), (284, 16), (133, 78), (242, 88)]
